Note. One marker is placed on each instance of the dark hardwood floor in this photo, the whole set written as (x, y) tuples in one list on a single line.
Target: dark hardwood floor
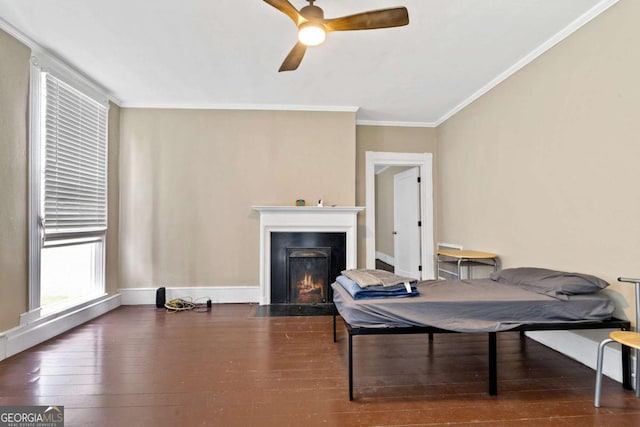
[(142, 366), (381, 265)]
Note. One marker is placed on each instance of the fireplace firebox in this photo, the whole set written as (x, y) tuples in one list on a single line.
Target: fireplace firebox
[(308, 272), (303, 266)]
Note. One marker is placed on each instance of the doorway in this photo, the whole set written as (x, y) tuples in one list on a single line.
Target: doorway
[(420, 163)]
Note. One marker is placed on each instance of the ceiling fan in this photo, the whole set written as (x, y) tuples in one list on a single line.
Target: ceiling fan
[(313, 28)]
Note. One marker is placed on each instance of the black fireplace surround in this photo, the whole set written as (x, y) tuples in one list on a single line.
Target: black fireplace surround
[(289, 249)]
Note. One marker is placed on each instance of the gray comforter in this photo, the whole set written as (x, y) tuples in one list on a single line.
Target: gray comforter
[(479, 305)]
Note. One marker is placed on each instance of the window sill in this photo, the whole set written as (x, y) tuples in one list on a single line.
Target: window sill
[(43, 315)]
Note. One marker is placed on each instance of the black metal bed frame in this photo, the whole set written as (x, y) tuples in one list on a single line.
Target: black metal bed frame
[(613, 323)]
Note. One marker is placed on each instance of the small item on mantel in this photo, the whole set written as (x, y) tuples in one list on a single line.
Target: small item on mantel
[(300, 202), (320, 203)]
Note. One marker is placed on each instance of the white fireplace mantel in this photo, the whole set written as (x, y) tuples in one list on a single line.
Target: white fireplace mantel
[(303, 219)]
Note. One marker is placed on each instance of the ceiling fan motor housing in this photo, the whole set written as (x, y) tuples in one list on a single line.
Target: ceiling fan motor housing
[(312, 13)]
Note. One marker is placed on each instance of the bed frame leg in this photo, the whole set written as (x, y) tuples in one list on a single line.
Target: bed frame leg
[(350, 367), (493, 365), (334, 324), (430, 336)]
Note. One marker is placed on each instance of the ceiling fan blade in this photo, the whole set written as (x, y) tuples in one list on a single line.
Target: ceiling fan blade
[(287, 8), (383, 18), (292, 61)]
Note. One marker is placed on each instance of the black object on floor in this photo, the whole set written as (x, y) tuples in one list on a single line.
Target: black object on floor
[(161, 297), (285, 310)]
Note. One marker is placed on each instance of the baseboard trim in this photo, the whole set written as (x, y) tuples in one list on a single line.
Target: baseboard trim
[(385, 258), (20, 338), (582, 346), (223, 294)]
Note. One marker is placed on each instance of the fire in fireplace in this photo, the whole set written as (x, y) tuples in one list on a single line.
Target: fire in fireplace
[(308, 272), (304, 264)]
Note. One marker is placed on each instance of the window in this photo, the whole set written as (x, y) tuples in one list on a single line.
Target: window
[(68, 201), (70, 270)]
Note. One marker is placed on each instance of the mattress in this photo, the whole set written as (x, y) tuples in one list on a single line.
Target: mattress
[(478, 305)]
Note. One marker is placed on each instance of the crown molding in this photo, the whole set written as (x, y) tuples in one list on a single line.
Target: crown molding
[(19, 35), (578, 23), (396, 124), (245, 107)]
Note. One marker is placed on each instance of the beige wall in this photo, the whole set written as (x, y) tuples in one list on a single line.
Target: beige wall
[(385, 139), (14, 103), (190, 177), (384, 190), (544, 168)]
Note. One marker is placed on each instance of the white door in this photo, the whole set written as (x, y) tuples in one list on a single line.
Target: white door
[(406, 217)]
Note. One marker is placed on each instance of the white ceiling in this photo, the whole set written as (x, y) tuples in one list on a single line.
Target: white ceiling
[(226, 53)]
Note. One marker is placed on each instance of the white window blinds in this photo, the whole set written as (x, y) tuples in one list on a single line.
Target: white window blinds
[(75, 160)]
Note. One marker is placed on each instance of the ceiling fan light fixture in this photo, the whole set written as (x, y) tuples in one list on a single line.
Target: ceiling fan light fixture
[(312, 34)]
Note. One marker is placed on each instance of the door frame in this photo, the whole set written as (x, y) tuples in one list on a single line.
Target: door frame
[(425, 162)]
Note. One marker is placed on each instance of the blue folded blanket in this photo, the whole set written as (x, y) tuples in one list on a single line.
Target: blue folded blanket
[(372, 292)]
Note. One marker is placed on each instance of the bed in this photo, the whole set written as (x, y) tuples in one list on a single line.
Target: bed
[(524, 299)]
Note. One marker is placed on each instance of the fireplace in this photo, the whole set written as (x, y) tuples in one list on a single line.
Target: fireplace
[(305, 220), (303, 266)]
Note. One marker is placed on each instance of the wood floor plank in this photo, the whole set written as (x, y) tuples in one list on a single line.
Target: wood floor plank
[(141, 366)]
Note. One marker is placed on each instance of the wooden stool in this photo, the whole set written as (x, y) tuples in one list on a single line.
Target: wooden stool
[(627, 338)]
